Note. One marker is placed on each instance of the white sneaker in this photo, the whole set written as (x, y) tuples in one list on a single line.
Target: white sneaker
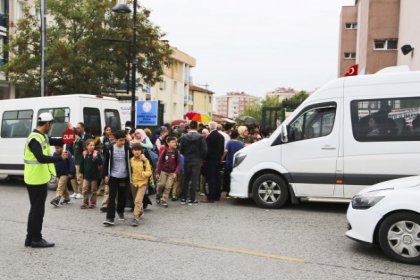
[(79, 195), (73, 195)]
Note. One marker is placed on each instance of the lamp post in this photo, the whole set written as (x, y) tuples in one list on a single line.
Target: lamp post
[(124, 9)]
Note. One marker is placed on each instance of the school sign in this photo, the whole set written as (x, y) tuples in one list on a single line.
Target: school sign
[(147, 113)]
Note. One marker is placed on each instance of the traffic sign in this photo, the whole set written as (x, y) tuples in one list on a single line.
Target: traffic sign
[(68, 136)]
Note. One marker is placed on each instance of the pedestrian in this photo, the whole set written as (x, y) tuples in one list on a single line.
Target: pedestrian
[(232, 147), (244, 134), (38, 170), (194, 149), (141, 137), (105, 199), (65, 171), (90, 171), (141, 172), (118, 174), (215, 149), (224, 134), (161, 140), (168, 169)]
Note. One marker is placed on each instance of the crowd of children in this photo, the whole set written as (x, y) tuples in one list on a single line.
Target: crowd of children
[(124, 166)]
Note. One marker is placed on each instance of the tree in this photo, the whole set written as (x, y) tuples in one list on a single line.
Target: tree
[(78, 59), (254, 110), (294, 101)]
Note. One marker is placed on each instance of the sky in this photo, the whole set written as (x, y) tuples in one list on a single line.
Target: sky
[(254, 46)]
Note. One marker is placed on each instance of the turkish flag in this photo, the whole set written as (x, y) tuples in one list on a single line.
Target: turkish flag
[(352, 71)]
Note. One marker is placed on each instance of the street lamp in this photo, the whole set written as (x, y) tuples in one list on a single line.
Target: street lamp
[(124, 9)]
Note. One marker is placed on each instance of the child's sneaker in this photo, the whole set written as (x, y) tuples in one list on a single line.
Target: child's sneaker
[(174, 198), (91, 206), (191, 203), (135, 222), (84, 206), (79, 195), (157, 199), (164, 203), (109, 222), (183, 201), (65, 202), (55, 202), (73, 195), (121, 216)]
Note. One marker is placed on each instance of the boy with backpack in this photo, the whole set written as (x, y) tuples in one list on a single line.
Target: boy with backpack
[(141, 172), (65, 171), (168, 169)]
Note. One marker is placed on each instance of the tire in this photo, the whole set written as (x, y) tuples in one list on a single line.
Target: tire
[(399, 237), (270, 191)]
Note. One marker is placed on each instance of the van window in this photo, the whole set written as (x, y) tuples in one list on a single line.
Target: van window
[(396, 119), (61, 118), (112, 118), (16, 124), (313, 123), (92, 121)]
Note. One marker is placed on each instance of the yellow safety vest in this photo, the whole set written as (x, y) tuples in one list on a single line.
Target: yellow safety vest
[(36, 173)]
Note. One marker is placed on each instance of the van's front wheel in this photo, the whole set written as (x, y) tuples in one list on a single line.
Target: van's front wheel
[(270, 191)]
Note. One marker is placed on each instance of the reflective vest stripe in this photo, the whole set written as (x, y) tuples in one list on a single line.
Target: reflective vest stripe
[(31, 162)]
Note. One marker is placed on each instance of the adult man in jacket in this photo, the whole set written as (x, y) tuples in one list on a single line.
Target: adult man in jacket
[(194, 149), (38, 170)]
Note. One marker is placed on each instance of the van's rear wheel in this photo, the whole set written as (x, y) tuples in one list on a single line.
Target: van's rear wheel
[(270, 191)]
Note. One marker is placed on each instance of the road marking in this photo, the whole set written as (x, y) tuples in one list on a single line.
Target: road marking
[(136, 236), (207, 246)]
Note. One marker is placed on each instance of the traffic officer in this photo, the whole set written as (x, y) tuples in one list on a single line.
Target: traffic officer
[(39, 168)]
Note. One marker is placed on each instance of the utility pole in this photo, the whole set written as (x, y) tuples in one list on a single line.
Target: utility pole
[(43, 12)]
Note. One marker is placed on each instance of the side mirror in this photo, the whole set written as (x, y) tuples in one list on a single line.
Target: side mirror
[(283, 132)]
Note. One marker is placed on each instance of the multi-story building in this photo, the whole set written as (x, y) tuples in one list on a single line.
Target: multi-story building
[(233, 104), (200, 99), (373, 31), (173, 91), (281, 93)]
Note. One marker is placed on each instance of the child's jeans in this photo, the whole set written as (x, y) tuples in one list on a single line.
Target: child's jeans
[(166, 181), (86, 185), (62, 190), (138, 195)]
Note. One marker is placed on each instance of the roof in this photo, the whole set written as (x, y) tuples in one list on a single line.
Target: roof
[(183, 57), (200, 89)]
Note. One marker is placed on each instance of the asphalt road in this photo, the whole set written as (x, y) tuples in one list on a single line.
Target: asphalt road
[(232, 239)]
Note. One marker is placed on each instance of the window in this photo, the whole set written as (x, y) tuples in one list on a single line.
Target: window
[(92, 121), (349, 55), (314, 123), (389, 44), (210, 99), (351, 25), (16, 124), (112, 118), (61, 118), (386, 119)]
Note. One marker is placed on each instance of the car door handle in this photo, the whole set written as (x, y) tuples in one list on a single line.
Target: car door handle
[(328, 147)]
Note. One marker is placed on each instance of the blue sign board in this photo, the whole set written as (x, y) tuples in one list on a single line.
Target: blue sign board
[(147, 113)]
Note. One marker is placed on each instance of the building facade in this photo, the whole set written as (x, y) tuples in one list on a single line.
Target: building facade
[(200, 99), (173, 91), (372, 33), (233, 104)]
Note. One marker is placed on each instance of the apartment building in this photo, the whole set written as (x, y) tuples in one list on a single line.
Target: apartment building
[(372, 33), (281, 93), (173, 91), (233, 104), (200, 99)]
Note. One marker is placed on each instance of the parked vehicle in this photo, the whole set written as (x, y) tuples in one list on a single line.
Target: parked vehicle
[(351, 133), (18, 118), (388, 214)]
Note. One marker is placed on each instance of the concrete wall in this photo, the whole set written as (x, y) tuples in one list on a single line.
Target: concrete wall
[(348, 37), (409, 33)]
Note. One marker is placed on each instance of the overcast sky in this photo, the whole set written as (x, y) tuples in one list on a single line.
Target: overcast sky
[(254, 46)]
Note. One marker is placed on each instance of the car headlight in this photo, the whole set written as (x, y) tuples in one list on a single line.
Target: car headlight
[(239, 158), (369, 199)]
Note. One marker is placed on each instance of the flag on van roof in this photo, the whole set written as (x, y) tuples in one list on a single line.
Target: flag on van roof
[(352, 71)]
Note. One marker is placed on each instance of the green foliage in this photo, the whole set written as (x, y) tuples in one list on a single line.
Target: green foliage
[(78, 59), (294, 101)]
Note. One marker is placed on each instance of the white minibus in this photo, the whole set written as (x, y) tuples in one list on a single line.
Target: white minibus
[(351, 133), (18, 118)]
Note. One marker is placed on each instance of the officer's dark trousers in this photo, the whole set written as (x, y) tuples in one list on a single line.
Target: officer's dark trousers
[(37, 197)]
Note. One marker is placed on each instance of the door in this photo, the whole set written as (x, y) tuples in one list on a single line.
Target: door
[(310, 156)]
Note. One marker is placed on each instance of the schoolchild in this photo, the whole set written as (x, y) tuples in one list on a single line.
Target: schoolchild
[(65, 171), (90, 170), (141, 172)]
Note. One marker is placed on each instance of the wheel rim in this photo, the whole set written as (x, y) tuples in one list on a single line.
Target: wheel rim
[(404, 238), (269, 191)]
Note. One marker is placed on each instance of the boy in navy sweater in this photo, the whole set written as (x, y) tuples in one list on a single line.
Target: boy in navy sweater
[(65, 171)]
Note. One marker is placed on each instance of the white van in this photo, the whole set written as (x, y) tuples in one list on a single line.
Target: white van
[(351, 133), (18, 118)]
